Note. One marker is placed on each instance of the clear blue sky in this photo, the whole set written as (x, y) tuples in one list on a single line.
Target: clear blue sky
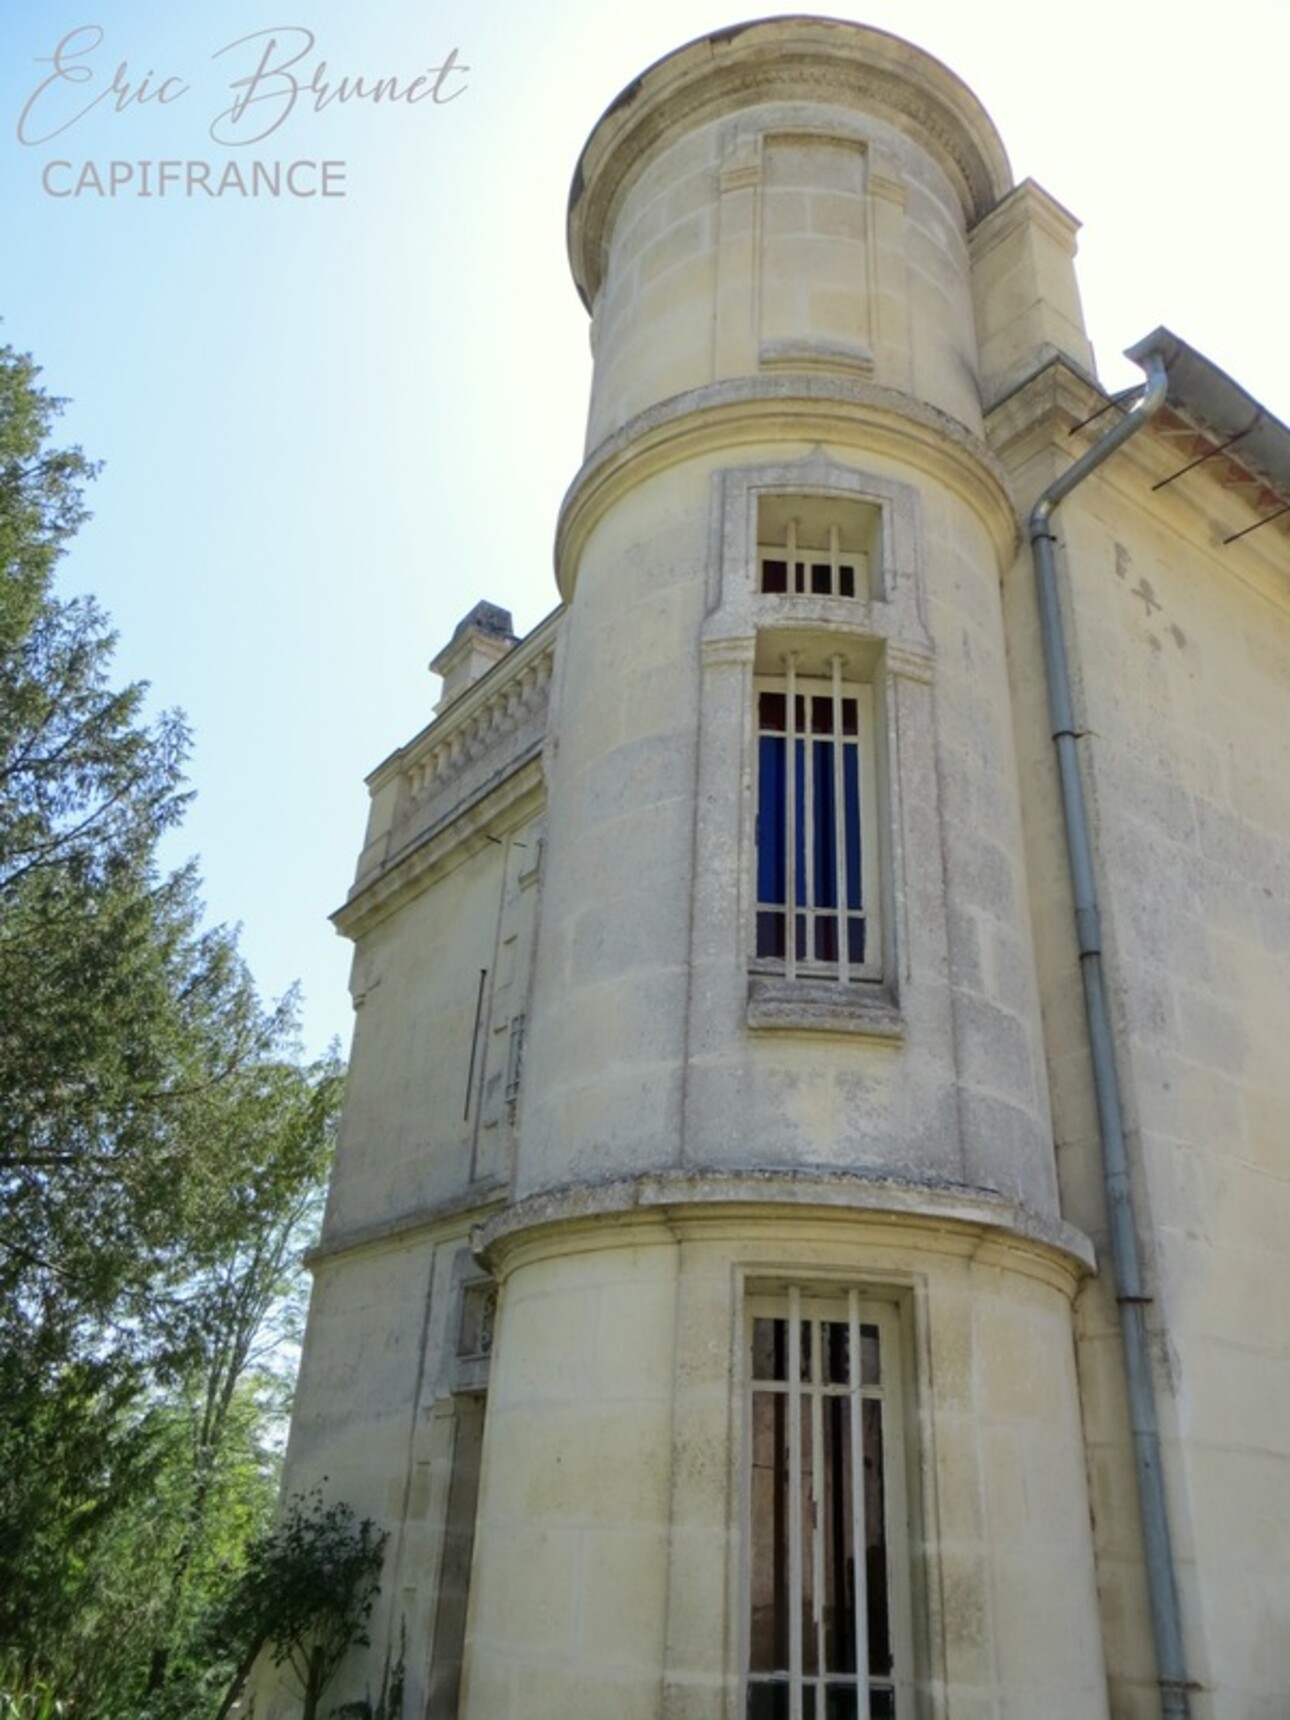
[(331, 424)]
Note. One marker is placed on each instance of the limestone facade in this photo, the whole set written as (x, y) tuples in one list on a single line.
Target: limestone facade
[(711, 1300)]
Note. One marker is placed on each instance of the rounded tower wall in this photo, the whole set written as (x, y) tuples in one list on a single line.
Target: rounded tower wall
[(793, 196), (784, 1100), (662, 1038)]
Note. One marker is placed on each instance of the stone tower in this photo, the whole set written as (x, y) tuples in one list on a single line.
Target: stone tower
[(695, 1296), (784, 1243)]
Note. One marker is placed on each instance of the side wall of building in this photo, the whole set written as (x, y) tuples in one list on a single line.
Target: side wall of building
[(1180, 651), (390, 1401)]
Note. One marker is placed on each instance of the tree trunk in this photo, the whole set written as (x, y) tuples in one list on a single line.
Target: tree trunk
[(314, 1685), (239, 1679)]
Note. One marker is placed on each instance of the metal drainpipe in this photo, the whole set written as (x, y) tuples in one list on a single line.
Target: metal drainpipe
[(1130, 1289)]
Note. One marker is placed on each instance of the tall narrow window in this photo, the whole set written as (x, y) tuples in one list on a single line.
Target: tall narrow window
[(828, 1626), (815, 848)]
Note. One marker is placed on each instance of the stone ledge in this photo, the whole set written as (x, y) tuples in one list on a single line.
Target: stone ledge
[(394, 1232), (863, 1009), (714, 420), (675, 1197)]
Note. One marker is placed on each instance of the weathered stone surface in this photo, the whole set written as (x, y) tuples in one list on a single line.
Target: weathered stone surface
[(577, 1082)]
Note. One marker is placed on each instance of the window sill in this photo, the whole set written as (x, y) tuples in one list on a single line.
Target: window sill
[(863, 1009)]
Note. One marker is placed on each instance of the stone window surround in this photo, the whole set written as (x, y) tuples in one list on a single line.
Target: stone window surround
[(886, 633), (885, 1308)]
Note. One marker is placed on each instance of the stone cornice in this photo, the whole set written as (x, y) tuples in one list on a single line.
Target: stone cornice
[(1051, 417), (725, 416), (462, 772), (1026, 204), (504, 804), (476, 711), (612, 1212), (845, 65), (470, 1206)]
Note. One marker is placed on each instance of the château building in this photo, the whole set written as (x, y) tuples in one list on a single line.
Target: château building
[(810, 1230)]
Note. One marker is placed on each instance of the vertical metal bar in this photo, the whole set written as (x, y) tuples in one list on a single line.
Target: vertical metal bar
[(840, 833), (817, 1499), (474, 1045), (795, 1504), (808, 819), (790, 813), (869, 907), (895, 1495), (859, 1531), (779, 1542)]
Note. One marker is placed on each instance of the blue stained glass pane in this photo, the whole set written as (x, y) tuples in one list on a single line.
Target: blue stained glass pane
[(851, 799), (826, 938), (770, 935), (855, 938), (825, 834), (770, 819)]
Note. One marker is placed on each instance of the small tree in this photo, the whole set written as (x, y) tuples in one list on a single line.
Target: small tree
[(306, 1594)]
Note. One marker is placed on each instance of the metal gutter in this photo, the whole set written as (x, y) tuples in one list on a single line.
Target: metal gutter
[(1206, 396), (1130, 1286)]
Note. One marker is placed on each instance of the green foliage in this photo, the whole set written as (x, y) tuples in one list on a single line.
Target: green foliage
[(72, 1450), (117, 1009), (128, 1494), (162, 1156), (389, 1700), (23, 1698), (306, 1594)]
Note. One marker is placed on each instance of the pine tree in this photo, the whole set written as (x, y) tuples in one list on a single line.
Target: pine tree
[(160, 1144)]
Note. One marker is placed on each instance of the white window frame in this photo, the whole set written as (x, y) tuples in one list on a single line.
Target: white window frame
[(841, 566), (792, 965), (853, 1307)]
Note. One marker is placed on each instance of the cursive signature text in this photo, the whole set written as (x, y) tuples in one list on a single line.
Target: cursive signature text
[(279, 74)]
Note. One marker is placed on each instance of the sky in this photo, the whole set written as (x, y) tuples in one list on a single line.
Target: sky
[(331, 423)]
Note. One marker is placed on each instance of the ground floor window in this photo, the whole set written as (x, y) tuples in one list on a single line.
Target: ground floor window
[(828, 1626)]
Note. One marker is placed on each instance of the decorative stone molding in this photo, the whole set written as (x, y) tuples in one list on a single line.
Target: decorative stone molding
[(479, 761), (909, 662), (844, 411), (443, 760), (844, 65), (704, 1196), (476, 1204)]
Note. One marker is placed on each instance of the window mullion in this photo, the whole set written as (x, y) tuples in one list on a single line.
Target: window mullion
[(790, 816), (808, 819), (817, 1500), (834, 548), (859, 1531), (840, 834), (795, 1503)]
